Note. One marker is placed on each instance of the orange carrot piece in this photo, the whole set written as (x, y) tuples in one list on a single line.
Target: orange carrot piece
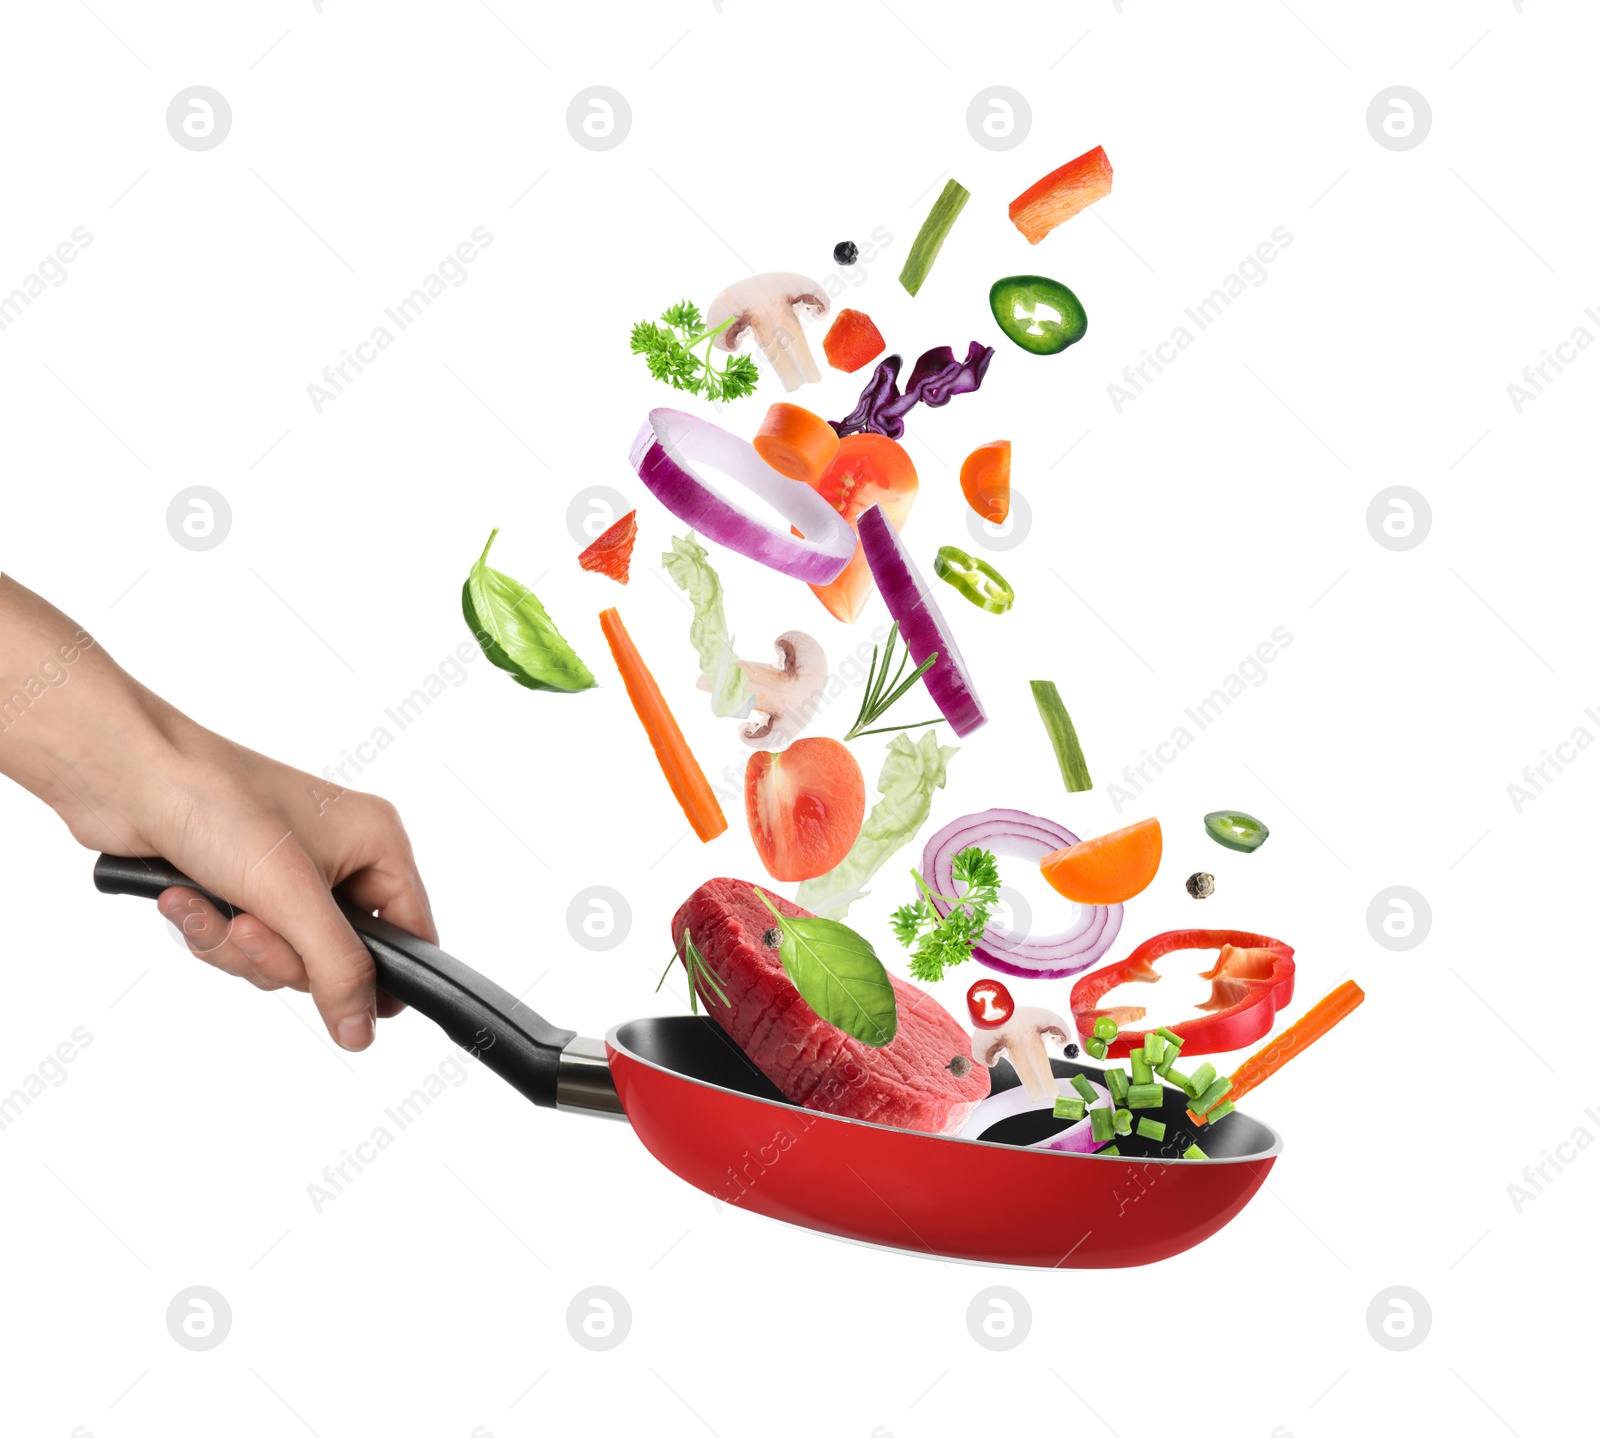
[(796, 442), (1300, 1035), (1061, 194), (682, 769), (986, 480)]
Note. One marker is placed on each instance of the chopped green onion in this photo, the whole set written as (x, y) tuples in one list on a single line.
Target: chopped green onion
[(1149, 1128), (1105, 1028), (1063, 737), (1122, 1121), (1155, 1048), (1211, 1097), (1117, 1082), (925, 248), (1172, 1075), (1222, 1110), (1073, 1108), (1085, 1089), (1194, 1151), (1141, 1066), (1171, 1038), (1144, 1095), (1101, 1125), (1202, 1080), (1111, 1148), (1095, 1048)]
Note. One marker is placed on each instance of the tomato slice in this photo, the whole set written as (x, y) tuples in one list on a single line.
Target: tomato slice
[(868, 469), (804, 806)]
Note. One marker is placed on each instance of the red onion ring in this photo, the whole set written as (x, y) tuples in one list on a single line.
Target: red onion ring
[(1019, 836), (911, 605), (662, 452), (1078, 1138)]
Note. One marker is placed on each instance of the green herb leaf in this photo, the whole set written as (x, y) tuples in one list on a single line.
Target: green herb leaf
[(691, 571), (839, 975), (670, 351), (911, 772), (699, 972), (882, 692), (942, 943), (512, 628)]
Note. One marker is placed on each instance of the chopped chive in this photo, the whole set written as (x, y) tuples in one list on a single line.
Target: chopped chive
[(1095, 1048), (925, 248), (1122, 1121), (1211, 1097), (1222, 1110), (1105, 1028), (1173, 1076), (1063, 737), (1101, 1126), (1085, 1089), (1111, 1148), (1202, 1080), (1149, 1128), (1171, 1038), (1117, 1082), (1194, 1151), (1073, 1108), (1141, 1066), (1144, 1095)]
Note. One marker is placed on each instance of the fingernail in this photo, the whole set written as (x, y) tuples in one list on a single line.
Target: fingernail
[(355, 1032)]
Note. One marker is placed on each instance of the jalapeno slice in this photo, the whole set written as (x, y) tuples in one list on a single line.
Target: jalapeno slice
[(1235, 830), (1041, 315), (973, 579)]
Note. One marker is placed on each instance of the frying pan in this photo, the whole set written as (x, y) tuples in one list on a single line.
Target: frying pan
[(705, 1111)]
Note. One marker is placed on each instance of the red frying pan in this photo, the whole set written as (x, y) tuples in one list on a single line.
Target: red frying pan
[(706, 1112)]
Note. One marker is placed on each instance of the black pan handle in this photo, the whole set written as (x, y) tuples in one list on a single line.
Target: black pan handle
[(474, 1011)]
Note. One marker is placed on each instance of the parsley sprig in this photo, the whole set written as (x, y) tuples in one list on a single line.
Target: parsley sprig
[(670, 349), (938, 944)]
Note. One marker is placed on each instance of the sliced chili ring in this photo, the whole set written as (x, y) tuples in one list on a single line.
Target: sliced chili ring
[(973, 579)]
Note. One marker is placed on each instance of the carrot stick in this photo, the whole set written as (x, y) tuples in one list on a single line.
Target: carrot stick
[(682, 770), (1300, 1035)]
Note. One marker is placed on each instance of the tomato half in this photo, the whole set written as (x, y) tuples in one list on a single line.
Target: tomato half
[(804, 806), (868, 469)]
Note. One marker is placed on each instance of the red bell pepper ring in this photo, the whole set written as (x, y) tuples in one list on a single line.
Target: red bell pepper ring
[(1252, 979)]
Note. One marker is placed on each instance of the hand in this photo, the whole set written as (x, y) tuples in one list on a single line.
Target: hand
[(129, 774)]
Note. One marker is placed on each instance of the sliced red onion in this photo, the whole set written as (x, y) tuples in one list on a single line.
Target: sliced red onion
[(922, 626), (1078, 1138), (664, 453), (1016, 835)]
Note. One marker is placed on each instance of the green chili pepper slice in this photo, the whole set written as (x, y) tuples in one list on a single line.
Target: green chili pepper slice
[(973, 579), (1039, 314)]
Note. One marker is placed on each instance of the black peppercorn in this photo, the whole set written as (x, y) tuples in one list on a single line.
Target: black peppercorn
[(773, 938), (845, 252), (1071, 1051)]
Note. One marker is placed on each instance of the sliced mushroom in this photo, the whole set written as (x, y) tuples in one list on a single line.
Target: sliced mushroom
[(1021, 1039), (765, 305), (784, 696)]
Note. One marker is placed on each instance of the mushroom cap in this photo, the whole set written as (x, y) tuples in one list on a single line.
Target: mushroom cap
[(786, 694), (768, 292), (1028, 1023)]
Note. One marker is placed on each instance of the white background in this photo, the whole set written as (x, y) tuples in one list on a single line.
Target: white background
[(1230, 498)]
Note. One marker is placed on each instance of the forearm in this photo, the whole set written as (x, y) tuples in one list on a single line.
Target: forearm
[(71, 719)]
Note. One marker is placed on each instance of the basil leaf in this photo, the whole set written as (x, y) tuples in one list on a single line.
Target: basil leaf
[(512, 628), (839, 975)]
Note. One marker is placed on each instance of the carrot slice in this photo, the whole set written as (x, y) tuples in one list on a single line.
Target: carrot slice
[(1109, 869), (796, 442), (682, 769), (1300, 1035), (1061, 194), (986, 480)]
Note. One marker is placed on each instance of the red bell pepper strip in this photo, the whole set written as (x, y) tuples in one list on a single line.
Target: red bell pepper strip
[(1252, 979)]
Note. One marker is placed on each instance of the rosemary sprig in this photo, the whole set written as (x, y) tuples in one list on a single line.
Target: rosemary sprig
[(882, 691), (698, 969)]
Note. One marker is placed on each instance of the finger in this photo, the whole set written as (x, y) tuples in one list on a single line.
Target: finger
[(382, 871), (287, 892), (210, 935), (269, 954)]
